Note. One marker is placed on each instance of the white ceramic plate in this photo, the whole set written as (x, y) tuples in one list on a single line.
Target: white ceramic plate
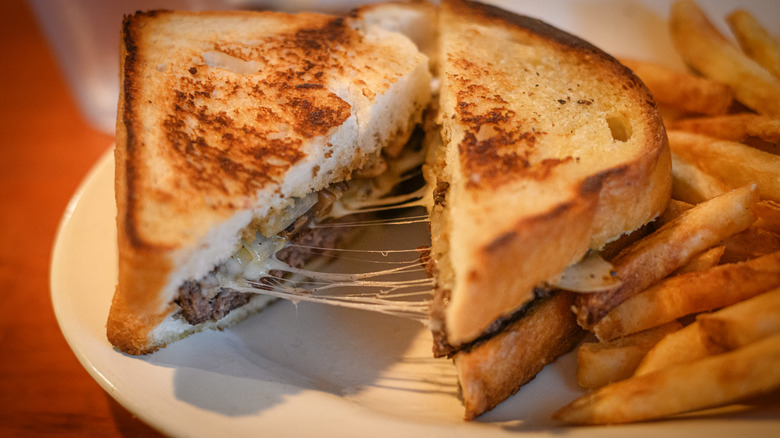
[(307, 369)]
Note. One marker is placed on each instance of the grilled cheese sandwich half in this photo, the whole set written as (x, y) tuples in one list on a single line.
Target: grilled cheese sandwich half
[(232, 127), (549, 149)]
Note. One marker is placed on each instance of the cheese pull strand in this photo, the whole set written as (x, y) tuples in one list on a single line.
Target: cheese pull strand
[(401, 289), (386, 291)]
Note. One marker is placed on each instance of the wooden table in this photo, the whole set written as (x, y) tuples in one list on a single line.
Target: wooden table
[(46, 148)]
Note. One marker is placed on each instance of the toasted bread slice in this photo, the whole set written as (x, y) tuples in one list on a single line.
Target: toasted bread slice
[(550, 148), (492, 371), (225, 120)]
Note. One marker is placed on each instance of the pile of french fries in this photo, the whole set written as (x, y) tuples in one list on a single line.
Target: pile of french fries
[(701, 327)]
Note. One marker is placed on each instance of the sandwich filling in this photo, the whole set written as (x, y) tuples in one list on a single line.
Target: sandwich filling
[(307, 230), (214, 296)]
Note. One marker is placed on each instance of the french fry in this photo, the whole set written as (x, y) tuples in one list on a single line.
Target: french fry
[(708, 52), (683, 91), (729, 328), (670, 247), (771, 148), (683, 346), (733, 163), (674, 209), (768, 213), (705, 260), (709, 382), (755, 41), (690, 293), (743, 323), (690, 184), (613, 248), (750, 243), (738, 127), (669, 114), (601, 363)]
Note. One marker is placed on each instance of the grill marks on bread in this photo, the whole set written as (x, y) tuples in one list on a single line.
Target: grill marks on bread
[(244, 152), (493, 151), (515, 105), (499, 145), (218, 112), (240, 148)]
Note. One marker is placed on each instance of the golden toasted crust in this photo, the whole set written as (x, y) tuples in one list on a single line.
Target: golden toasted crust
[(143, 269), (553, 148), (497, 368), (128, 329)]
